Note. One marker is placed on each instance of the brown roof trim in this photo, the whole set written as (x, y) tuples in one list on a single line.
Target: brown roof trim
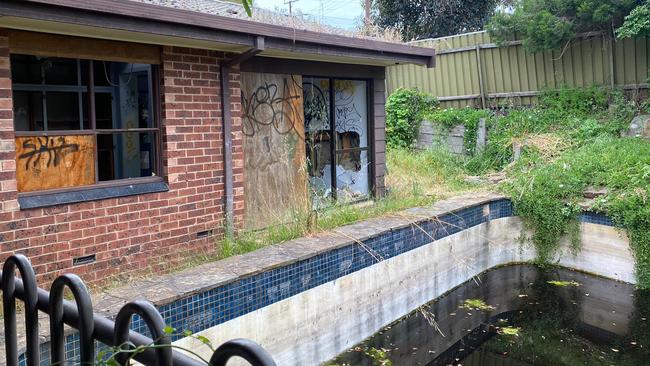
[(282, 37)]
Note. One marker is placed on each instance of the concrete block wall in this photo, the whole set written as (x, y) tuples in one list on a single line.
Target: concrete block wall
[(143, 233), (432, 135)]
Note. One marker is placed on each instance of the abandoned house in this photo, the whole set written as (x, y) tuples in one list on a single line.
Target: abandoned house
[(133, 134)]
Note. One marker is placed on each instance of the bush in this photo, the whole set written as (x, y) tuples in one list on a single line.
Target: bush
[(404, 111)]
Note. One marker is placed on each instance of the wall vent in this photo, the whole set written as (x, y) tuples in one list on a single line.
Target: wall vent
[(203, 234), (78, 261)]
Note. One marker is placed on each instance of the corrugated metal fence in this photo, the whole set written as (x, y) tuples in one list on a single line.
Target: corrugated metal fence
[(508, 74)]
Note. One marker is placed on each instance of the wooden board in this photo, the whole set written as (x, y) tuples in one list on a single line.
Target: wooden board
[(53, 45), (54, 162), (274, 147)]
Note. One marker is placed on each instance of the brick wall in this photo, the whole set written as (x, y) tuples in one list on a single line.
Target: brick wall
[(132, 235)]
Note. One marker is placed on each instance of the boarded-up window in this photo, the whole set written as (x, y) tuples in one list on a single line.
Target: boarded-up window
[(274, 148), (79, 122)]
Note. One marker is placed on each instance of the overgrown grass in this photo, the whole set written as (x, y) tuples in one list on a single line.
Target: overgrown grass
[(571, 116), (547, 189), (413, 179), (429, 173), (570, 141)]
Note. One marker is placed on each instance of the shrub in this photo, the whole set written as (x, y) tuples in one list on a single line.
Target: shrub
[(404, 111)]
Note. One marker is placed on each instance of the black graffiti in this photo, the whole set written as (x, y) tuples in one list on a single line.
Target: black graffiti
[(348, 117), (54, 149), (268, 100), (316, 105)]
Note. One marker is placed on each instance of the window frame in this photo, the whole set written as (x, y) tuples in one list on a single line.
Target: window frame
[(90, 89), (333, 150)]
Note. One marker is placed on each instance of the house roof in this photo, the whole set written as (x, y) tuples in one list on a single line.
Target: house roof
[(199, 24), (236, 10)]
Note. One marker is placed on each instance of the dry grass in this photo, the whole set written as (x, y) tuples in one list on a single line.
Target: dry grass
[(550, 146)]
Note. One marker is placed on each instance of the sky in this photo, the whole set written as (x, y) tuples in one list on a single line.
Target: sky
[(337, 13)]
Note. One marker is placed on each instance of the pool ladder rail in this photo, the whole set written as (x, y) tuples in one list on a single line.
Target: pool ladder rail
[(93, 327)]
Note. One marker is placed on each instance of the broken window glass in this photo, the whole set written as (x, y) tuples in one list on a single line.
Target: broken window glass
[(347, 142)]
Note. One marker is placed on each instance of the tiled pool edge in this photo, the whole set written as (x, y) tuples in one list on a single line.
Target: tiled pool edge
[(214, 293)]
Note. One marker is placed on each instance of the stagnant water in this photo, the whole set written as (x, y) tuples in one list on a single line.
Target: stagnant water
[(518, 315)]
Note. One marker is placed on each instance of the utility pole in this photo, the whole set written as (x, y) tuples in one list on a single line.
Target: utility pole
[(367, 9), (290, 2)]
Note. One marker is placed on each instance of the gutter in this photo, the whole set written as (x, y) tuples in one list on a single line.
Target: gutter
[(224, 69)]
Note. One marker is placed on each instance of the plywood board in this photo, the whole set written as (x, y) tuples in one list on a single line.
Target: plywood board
[(49, 162), (274, 147)]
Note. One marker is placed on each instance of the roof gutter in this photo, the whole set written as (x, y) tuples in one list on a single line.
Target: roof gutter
[(226, 123)]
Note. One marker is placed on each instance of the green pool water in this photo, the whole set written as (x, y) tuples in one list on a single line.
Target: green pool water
[(518, 315)]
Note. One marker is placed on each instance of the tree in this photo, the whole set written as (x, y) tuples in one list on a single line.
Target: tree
[(637, 24), (418, 19), (551, 24)]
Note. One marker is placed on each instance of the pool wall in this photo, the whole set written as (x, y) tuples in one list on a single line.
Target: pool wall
[(382, 274), (309, 299)]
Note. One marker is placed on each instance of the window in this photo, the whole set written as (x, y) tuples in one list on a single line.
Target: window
[(83, 122), (345, 141)]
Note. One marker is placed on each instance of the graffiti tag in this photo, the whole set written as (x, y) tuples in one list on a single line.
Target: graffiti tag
[(54, 149)]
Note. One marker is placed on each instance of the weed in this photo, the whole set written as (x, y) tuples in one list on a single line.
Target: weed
[(564, 283), (476, 304), (547, 196)]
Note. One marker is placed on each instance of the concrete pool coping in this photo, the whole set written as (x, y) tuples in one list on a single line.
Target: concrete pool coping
[(171, 287)]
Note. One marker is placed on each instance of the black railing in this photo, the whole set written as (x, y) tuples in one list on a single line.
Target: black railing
[(93, 327)]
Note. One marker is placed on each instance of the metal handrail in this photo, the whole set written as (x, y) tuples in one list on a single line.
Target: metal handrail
[(92, 326)]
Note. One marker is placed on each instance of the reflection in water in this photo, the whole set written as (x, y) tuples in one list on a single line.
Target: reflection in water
[(519, 315)]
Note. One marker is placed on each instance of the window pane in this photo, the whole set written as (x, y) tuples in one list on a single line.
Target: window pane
[(351, 113), (85, 111), (104, 110), (25, 69), (319, 165), (62, 111), (317, 135), (130, 88), (60, 71), (316, 95), (126, 155), (101, 74), (352, 175), (28, 111)]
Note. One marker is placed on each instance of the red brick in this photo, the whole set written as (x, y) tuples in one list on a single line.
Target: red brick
[(135, 234)]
